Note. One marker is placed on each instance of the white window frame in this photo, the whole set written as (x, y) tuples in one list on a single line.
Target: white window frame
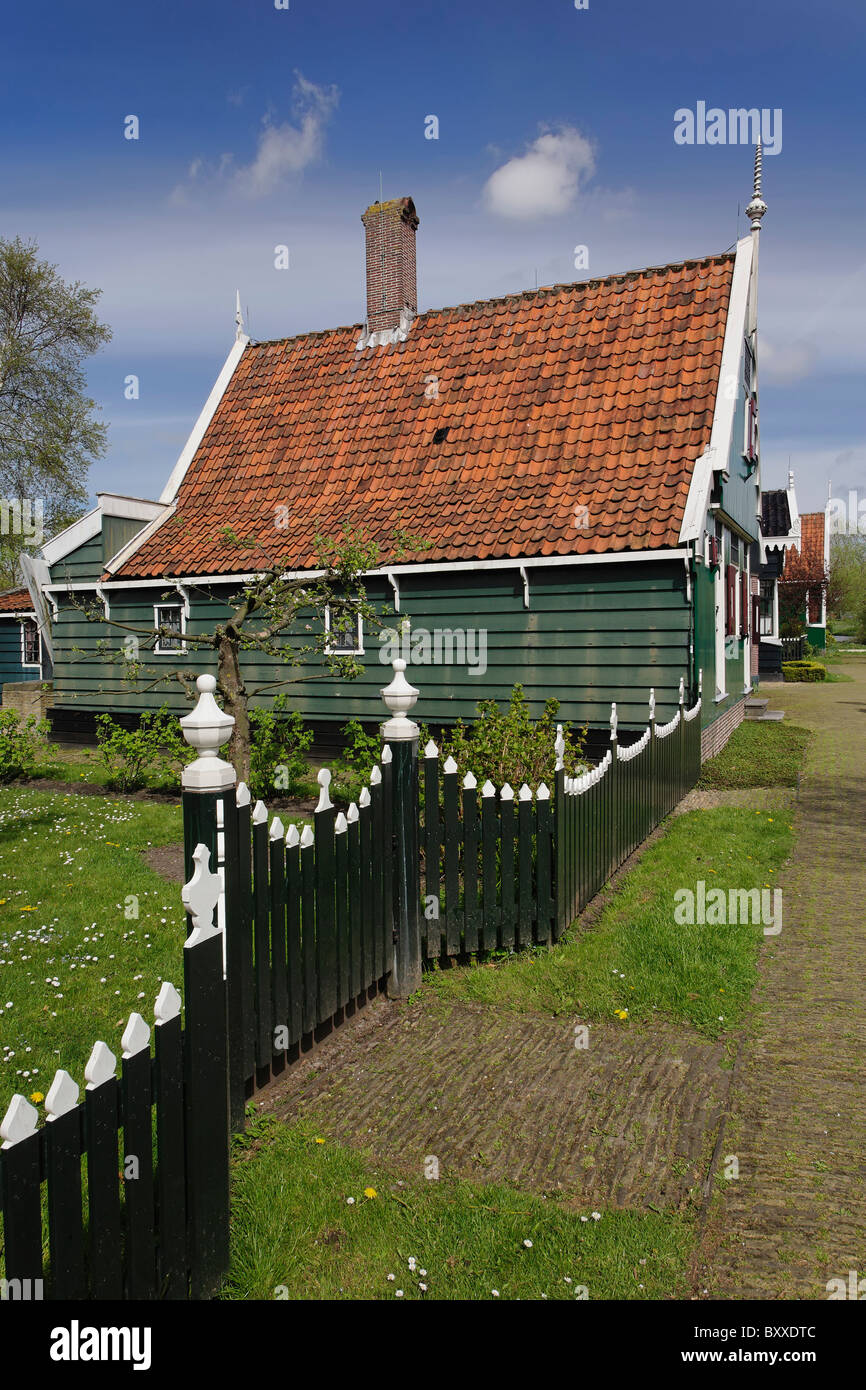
[(169, 651), (31, 665), (331, 650)]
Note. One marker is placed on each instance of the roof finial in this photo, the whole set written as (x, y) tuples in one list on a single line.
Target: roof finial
[(757, 207), (239, 318)]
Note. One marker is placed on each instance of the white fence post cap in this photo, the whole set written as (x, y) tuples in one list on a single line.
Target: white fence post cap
[(19, 1122), (399, 696), (206, 729)]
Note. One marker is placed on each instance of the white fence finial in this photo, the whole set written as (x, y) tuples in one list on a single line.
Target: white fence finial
[(206, 729), (652, 704), (613, 720), (324, 780), (559, 748), (700, 682), (399, 696), (200, 897), (682, 690)]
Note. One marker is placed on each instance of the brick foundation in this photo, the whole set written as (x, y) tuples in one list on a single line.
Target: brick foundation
[(28, 697), (715, 735)]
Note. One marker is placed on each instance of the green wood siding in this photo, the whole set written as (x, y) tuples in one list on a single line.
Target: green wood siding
[(592, 634), (83, 565), (116, 531), (10, 653)]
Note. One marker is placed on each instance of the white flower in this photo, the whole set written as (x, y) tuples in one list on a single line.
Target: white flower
[(412, 1263), (528, 1244), (391, 1278), (495, 1293), (596, 1216), (350, 1201), (422, 1272), (423, 1288), (584, 1218), (398, 1293)]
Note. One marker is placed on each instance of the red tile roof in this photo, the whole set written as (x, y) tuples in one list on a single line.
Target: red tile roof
[(807, 560), (16, 601), (595, 395)]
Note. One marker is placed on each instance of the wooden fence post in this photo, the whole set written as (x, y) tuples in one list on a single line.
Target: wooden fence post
[(401, 734)]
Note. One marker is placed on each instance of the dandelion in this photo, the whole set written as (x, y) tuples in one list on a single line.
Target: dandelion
[(320, 1141), (621, 1013), (37, 1097), (369, 1192)]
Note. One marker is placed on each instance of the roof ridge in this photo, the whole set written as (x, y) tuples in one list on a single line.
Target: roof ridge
[(621, 276)]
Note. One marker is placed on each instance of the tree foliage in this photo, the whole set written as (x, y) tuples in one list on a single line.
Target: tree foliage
[(48, 431)]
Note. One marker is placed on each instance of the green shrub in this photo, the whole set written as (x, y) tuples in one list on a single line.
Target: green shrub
[(278, 748), (155, 752), (351, 771), (803, 671), (506, 746), (22, 745)]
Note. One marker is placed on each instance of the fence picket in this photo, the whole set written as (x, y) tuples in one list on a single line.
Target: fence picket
[(102, 1106)]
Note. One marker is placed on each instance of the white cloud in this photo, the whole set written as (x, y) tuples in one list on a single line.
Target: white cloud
[(282, 150), (545, 180), (783, 365)]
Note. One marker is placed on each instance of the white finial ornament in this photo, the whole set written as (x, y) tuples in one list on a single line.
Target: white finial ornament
[(399, 696), (613, 719), (559, 748), (757, 207), (682, 690), (200, 897), (206, 729), (652, 704), (239, 318)]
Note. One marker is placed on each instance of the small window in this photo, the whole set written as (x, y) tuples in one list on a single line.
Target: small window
[(345, 634), (766, 607), (31, 643), (169, 618)]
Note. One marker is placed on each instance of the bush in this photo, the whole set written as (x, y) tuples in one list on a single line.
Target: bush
[(278, 748), (352, 769), (506, 746), (135, 757), (803, 671), (21, 745)]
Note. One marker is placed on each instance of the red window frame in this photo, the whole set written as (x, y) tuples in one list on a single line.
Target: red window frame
[(730, 600), (744, 604)]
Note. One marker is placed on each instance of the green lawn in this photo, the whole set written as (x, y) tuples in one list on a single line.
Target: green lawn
[(303, 1228), (74, 959), (636, 959), (758, 755)]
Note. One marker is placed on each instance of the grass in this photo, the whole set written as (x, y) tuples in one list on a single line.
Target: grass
[(757, 755), (296, 1234), (73, 965), (636, 959)]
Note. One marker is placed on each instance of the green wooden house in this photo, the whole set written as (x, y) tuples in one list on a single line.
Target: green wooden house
[(582, 461)]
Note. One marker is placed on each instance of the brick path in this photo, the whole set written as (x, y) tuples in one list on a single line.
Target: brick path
[(796, 1217)]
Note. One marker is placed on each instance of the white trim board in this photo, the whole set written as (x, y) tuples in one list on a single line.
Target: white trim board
[(717, 453), (178, 473), (453, 566), (90, 525)]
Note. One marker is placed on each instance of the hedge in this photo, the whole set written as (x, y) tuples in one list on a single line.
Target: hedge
[(803, 671)]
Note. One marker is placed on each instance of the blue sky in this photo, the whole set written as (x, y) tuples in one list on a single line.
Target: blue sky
[(261, 127)]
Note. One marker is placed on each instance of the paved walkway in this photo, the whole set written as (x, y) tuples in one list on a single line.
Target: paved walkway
[(796, 1217)]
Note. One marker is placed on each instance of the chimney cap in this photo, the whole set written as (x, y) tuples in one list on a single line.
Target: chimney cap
[(402, 208)]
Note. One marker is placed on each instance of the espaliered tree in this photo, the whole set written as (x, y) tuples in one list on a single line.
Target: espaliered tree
[(275, 614)]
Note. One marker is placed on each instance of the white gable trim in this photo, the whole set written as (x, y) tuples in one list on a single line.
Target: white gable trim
[(90, 525), (170, 491), (718, 451), (139, 538)]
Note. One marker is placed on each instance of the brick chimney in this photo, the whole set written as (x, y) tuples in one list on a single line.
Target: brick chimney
[(392, 293)]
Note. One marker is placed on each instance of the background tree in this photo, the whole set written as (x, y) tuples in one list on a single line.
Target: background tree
[(275, 615), (49, 435), (847, 592)]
